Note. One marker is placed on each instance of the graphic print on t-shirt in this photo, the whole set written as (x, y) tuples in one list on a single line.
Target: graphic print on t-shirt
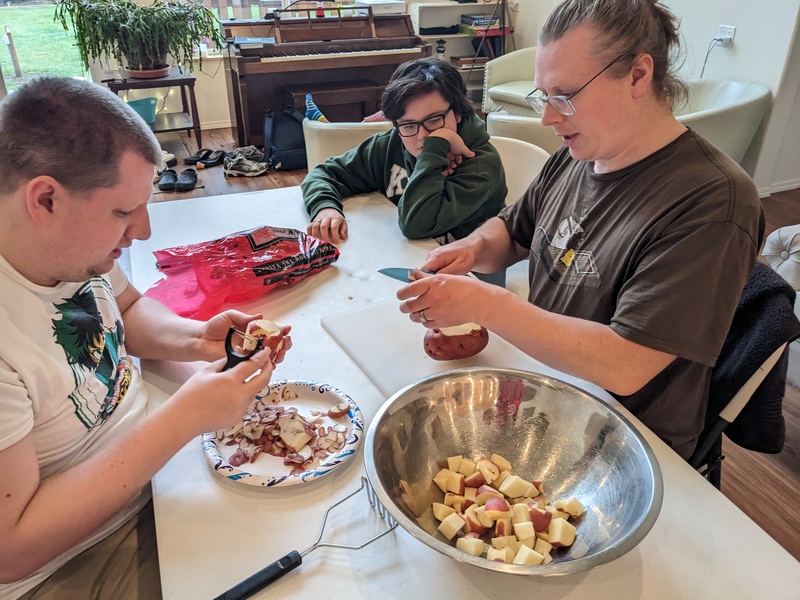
[(564, 262), (396, 179), (92, 338)]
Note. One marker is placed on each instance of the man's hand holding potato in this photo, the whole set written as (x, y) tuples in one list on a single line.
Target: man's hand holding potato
[(211, 343)]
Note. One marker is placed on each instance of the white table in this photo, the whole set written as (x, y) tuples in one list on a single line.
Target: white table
[(213, 533)]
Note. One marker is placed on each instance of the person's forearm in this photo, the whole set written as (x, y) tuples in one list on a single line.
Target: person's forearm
[(153, 331), (66, 508), (496, 249), (585, 349)]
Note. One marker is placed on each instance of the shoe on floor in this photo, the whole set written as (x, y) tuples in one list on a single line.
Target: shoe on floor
[(168, 158), (201, 154), (249, 152), (214, 159), (239, 166), (166, 183), (186, 180)]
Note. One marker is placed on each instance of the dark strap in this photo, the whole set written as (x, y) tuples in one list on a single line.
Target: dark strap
[(268, 131)]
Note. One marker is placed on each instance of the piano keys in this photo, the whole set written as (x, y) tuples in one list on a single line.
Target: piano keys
[(326, 51)]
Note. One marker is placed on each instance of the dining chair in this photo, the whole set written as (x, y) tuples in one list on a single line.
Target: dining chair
[(522, 162), (749, 379), (324, 140)]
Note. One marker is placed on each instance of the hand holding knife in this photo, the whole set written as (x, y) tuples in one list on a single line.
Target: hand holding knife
[(403, 274)]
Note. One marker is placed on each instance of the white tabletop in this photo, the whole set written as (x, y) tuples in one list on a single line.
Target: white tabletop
[(213, 533)]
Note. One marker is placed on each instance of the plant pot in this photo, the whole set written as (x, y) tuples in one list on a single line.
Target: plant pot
[(149, 68), (148, 73)]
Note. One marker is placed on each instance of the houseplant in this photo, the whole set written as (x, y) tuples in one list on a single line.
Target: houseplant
[(139, 36)]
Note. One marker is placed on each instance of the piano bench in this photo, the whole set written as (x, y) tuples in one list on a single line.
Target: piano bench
[(338, 100)]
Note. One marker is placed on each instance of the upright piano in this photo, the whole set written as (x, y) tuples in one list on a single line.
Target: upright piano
[(265, 57)]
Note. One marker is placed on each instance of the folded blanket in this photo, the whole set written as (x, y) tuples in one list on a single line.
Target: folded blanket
[(764, 319)]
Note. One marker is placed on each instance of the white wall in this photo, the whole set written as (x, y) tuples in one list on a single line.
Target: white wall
[(785, 162), (766, 49), (764, 42)]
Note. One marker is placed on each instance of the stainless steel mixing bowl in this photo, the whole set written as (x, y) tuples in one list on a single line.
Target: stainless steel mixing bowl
[(548, 429)]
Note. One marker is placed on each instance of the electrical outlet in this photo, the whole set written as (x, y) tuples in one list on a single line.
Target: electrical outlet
[(726, 33), (513, 6)]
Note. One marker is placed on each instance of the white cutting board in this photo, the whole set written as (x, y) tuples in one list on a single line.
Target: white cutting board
[(387, 346)]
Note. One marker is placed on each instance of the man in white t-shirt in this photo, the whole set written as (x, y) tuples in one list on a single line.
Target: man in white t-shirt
[(77, 446)]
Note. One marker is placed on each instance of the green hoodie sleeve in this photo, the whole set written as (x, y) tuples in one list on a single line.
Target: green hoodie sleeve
[(354, 172), (433, 204)]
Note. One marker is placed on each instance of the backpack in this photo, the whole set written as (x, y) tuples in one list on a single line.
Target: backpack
[(284, 143)]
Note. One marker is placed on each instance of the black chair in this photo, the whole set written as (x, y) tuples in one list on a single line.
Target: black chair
[(749, 380)]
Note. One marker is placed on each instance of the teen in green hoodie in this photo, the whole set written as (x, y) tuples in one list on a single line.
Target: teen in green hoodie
[(436, 164)]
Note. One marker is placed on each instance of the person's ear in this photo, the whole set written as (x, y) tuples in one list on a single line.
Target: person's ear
[(40, 197), (641, 75)]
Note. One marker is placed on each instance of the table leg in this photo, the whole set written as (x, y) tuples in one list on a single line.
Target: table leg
[(195, 116)]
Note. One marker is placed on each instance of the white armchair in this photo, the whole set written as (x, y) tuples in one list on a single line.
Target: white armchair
[(507, 80), (527, 129), (782, 251)]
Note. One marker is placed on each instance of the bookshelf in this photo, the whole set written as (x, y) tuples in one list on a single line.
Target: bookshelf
[(439, 23)]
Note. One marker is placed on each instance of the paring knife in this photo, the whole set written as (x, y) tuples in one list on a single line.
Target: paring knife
[(401, 274)]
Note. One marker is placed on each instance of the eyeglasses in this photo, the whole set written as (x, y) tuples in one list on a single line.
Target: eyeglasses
[(562, 104), (430, 124)]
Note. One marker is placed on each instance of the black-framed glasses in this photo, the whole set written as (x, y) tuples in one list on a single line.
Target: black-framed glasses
[(562, 104), (430, 124)]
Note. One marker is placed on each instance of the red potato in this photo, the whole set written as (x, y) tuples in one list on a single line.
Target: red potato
[(266, 330), (454, 343)]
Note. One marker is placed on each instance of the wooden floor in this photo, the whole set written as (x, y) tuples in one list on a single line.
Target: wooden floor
[(765, 487)]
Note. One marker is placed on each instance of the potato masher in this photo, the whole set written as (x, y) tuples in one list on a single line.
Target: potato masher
[(283, 565)]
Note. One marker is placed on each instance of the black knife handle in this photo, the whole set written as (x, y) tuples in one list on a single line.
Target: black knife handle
[(263, 578)]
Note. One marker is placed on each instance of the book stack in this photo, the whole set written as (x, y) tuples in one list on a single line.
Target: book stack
[(468, 61), (479, 20)]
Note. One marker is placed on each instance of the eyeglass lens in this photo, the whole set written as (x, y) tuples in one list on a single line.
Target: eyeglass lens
[(562, 104), (430, 124)]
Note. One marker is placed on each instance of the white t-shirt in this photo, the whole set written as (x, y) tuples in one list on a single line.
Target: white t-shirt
[(66, 379)]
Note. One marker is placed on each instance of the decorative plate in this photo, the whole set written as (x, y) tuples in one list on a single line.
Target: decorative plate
[(268, 470)]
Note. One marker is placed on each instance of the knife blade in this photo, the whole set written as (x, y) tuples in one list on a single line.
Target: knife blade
[(400, 273)]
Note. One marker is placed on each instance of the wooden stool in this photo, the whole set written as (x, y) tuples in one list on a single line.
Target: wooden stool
[(341, 100), (188, 119)]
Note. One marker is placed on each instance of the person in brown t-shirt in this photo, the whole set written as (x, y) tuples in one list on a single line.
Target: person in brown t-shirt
[(640, 233)]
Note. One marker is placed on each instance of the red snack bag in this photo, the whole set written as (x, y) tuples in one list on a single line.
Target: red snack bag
[(202, 278)]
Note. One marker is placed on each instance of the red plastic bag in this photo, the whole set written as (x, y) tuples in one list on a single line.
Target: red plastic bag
[(240, 267)]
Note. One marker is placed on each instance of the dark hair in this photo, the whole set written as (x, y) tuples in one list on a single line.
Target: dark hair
[(72, 130), (424, 76), (633, 27)]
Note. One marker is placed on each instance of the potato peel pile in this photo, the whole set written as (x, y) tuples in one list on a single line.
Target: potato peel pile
[(279, 430)]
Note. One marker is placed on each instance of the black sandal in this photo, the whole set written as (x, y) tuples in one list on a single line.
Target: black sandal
[(214, 159), (201, 154), (186, 180), (166, 182)]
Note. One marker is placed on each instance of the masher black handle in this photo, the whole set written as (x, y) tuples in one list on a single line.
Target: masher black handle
[(263, 578)]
